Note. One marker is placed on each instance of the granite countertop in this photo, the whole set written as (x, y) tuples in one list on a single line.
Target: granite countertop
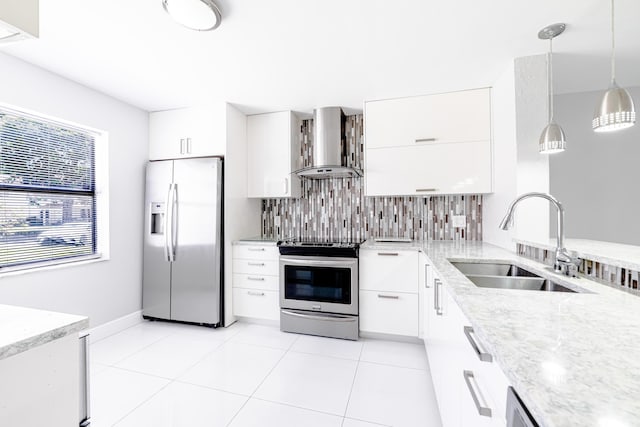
[(615, 254), (24, 328), (255, 241), (570, 356)]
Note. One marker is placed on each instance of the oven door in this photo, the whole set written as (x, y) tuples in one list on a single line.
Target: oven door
[(322, 284)]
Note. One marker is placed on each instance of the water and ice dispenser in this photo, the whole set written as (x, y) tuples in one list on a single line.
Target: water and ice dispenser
[(157, 217)]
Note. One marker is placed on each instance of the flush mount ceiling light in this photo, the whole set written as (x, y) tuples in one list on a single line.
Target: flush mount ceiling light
[(616, 109), (552, 139), (198, 15)]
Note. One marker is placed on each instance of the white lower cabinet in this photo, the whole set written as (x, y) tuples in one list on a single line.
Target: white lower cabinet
[(389, 298), (256, 281), (470, 387), (256, 303), (389, 312)]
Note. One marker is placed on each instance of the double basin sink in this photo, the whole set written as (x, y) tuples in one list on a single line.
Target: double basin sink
[(506, 276)]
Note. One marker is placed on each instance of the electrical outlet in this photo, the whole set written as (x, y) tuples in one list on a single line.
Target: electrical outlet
[(276, 220), (459, 221)]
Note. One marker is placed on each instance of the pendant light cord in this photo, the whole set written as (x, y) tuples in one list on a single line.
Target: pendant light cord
[(613, 45), (550, 79)]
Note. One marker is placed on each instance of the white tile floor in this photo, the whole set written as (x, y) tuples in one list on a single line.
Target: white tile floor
[(159, 374)]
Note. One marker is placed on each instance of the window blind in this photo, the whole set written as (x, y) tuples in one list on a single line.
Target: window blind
[(47, 190)]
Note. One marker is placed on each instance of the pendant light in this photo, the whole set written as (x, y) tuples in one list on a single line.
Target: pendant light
[(616, 109), (552, 139), (198, 15)]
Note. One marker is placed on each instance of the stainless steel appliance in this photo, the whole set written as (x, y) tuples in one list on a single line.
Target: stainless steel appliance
[(182, 241), (85, 413), (517, 414), (319, 288), (329, 158)]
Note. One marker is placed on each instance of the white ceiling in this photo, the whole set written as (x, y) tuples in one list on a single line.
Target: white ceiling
[(299, 54)]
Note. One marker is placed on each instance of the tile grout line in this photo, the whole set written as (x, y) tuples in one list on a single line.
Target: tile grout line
[(141, 403), (346, 408), (262, 382)]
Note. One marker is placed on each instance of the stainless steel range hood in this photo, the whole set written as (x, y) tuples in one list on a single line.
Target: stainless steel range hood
[(327, 147)]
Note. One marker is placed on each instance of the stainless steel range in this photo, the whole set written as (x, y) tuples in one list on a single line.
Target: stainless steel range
[(319, 288)]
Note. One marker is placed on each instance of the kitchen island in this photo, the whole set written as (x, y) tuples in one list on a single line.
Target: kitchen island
[(39, 367)]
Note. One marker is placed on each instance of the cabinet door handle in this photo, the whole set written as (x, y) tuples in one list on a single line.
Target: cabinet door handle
[(388, 296), (482, 355), (256, 264), (438, 297), (388, 253), (255, 294), (426, 276), (426, 190), (181, 145), (256, 279), (256, 249), (472, 385), (188, 145), (419, 140), (286, 185)]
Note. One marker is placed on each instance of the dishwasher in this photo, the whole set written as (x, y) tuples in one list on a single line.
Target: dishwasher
[(517, 413), (85, 418)]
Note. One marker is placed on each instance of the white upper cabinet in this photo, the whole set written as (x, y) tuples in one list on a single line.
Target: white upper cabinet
[(274, 153), (187, 132), (435, 144)]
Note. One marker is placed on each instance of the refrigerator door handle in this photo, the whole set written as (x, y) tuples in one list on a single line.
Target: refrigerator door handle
[(174, 222), (168, 226)]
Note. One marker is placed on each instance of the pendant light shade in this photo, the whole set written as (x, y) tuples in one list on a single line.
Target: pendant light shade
[(616, 110), (552, 139), (198, 15)]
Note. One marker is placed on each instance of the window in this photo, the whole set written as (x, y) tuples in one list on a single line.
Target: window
[(47, 191)]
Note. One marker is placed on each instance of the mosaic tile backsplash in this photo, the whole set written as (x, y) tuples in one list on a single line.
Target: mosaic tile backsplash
[(598, 271), (336, 209)]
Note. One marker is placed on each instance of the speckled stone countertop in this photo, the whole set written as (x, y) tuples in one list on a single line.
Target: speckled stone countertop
[(24, 328), (572, 357), (616, 254), (255, 241)]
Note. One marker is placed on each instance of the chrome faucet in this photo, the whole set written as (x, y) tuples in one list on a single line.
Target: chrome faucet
[(563, 263)]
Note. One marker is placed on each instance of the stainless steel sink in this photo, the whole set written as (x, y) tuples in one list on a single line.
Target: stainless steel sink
[(506, 276), (492, 269), (522, 283)]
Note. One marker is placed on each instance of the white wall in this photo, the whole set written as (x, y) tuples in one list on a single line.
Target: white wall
[(532, 215), (103, 290), (596, 177), (503, 112)]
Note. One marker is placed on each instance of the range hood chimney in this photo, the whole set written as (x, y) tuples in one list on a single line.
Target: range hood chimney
[(328, 161)]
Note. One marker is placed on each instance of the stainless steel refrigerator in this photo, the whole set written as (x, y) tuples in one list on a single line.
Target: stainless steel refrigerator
[(183, 241)]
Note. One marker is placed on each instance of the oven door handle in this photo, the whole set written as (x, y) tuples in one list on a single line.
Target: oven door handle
[(326, 316), (314, 262)]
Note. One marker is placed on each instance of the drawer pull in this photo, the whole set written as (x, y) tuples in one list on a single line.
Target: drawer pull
[(388, 296), (255, 294), (388, 253), (426, 276), (426, 190), (257, 279), (482, 355), (419, 140), (437, 300), (472, 385), (256, 264), (256, 249)]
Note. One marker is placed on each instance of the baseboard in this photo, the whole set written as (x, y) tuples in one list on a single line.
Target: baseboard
[(254, 321), (390, 337), (113, 327)]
